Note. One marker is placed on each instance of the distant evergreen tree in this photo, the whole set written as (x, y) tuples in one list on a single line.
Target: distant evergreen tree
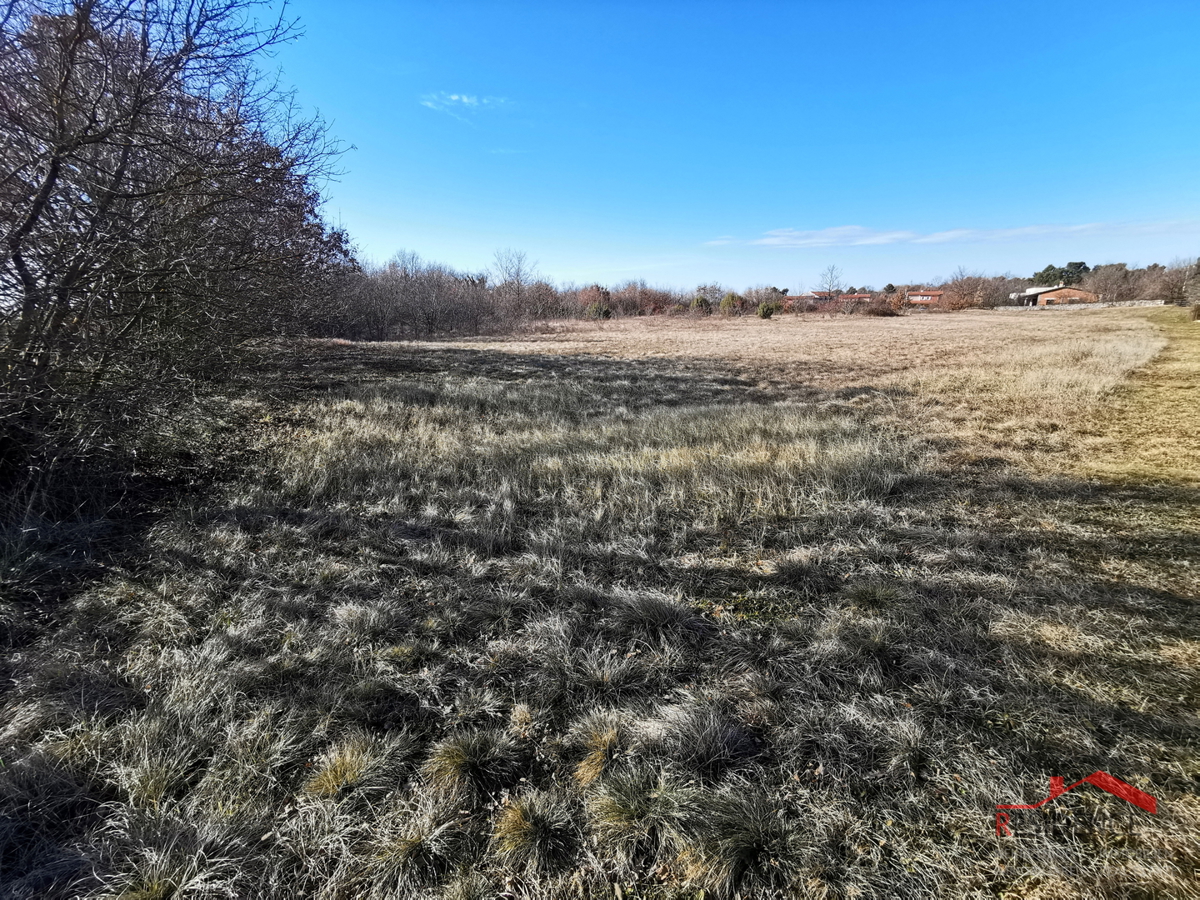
[(1049, 276), (1074, 272), (1071, 273)]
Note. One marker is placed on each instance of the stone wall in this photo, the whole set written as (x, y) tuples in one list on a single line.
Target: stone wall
[(1101, 304)]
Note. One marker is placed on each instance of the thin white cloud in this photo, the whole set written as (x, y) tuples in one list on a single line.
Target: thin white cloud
[(457, 104), (858, 236), (842, 236)]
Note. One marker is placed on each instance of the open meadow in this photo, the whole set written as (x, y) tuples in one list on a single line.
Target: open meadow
[(647, 608)]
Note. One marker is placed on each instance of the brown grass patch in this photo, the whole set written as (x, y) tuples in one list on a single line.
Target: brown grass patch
[(1149, 429)]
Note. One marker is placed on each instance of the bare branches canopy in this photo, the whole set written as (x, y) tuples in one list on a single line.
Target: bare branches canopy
[(158, 198)]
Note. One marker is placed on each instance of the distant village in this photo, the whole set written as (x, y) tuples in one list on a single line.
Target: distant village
[(1075, 283)]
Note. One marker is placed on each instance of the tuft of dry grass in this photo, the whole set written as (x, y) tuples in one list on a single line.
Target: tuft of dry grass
[(638, 815), (601, 736), (482, 762), (536, 833), (342, 766)]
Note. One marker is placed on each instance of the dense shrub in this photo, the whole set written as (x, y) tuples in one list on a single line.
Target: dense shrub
[(593, 299), (161, 211), (636, 298), (701, 305), (731, 304), (766, 310)]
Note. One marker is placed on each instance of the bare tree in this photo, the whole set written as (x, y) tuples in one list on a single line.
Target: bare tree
[(1191, 287), (158, 201), (830, 283), (408, 297), (1112, 281), (964, 289), (514, 274), (998, 290), (1174, 279)]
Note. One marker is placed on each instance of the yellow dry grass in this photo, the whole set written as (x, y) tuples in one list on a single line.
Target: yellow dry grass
[(1150, 429), (1013, 384), (846, 350)]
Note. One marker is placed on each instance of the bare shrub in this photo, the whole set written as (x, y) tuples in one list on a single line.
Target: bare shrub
[(160, 209), (964, 290), (638, 298), (595, 301), (408, 297), (880, 309), (752, 297)]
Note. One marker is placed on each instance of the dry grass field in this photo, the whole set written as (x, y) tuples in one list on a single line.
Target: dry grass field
[(646, 609), (1005, 380)]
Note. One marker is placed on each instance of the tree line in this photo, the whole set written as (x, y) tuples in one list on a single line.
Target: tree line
[(408, 298), (160, 208)]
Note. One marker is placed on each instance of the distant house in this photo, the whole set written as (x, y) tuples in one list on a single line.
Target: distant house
[(853, 297), (925, 298), (1050, 296)]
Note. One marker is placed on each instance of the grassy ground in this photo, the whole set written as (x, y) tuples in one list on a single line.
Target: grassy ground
[(1152, 423), (750, 608)]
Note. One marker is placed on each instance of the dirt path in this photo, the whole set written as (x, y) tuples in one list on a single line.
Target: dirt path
[(1150, 430)]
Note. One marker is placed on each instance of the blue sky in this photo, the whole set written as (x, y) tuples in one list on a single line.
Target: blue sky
[(757, 143)]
